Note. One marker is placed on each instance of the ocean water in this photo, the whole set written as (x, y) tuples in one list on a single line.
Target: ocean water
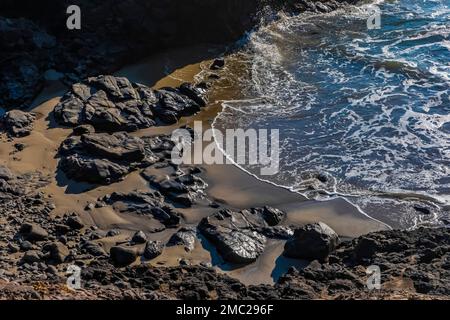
[(366, 111)]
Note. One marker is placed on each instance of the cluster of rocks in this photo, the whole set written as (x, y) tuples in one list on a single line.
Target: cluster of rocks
[(36, 247), (414, 264), (112, 104), (103, 158)]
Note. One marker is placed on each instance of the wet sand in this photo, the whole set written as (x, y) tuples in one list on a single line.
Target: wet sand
[(228, 185)]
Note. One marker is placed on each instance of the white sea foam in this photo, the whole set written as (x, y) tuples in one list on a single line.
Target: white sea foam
[(366, 108)]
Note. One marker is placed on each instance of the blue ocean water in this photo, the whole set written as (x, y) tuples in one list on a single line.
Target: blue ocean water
[(368, 109)]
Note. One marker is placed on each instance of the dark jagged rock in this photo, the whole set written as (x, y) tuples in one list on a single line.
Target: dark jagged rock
[(184, 237), (239, 236), (74, 222), (94, 249), (153, 249), (111, 104), (17, 123), (106, 41), (311, 242), (102, 158), (217, 64), (172, 105), (144, 203), (184, 189), (107, 103)]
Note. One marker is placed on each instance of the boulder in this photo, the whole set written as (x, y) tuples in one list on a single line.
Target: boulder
[(240, 236), (123, 256), (312, 242), (31, 256), (144, 203), (74, 222), (102, 158), (139, 237), (18, 123), (94, 249), (153, 249), (184, 237), (33, 232), (5, 173), (57, 251), (107, 103)]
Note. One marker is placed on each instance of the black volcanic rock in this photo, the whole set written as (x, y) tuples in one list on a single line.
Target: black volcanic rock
[(144, 203), (311, 242), (123, 256), (25, 52), (17, 123), (111, 104), (239, 236), (153, 249), (102, 158), (107, 103), (184, 237), (184, 189), (33, 232)]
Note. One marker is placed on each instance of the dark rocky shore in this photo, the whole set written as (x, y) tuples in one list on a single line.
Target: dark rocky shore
[(36, 250), (103, 112)]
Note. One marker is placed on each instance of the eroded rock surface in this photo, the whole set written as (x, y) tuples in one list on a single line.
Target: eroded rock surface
[(102, 158), (239, 236), (17, 123), (144, 203), (111, 104)]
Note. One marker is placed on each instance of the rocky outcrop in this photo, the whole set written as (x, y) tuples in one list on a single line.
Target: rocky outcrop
[(312, 242), (17, 123), (111, 104), (239, 236), (102, 158), (413, 264)]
